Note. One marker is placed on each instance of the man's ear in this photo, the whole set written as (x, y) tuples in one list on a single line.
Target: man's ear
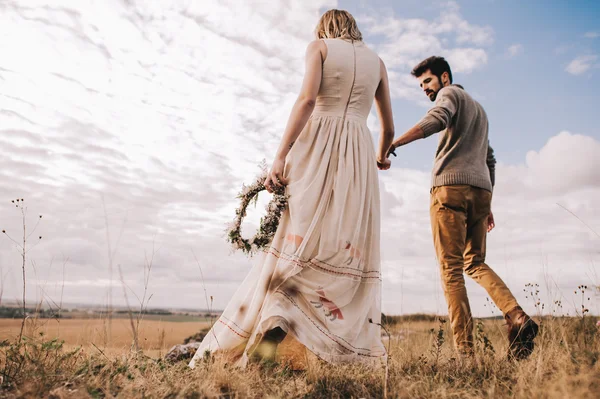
[(445, 79)]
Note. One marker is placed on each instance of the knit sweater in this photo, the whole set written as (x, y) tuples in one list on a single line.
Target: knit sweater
[(463, 155)]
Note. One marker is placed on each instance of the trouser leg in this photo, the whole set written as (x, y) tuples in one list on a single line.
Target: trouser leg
[(448, 212), (479, 205)]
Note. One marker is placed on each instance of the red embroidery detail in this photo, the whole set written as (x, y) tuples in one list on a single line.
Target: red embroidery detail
[(355, 351), (228, 326), (354, 253), (330, 306), (312, 262), (297, 240)]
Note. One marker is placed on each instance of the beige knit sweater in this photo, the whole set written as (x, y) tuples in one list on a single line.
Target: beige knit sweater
[(463, 155)]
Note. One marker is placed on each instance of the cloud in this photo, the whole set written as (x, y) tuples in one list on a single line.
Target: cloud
[(591, 35), (514, 50), (409, 41), (567, 162), (582, 64), (145, 120), (466, 60)]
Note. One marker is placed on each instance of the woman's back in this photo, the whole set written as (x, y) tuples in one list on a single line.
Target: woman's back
[(319, 279), (351, 74)]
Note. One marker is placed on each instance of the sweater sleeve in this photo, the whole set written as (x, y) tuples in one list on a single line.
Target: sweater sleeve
[(491, 163), (439, 117)]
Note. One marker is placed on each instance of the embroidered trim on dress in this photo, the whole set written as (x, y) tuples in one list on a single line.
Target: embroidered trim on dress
[(303, 263), (232, 322), (235, 332)]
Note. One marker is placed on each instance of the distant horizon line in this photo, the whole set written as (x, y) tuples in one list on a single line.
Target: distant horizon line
[(92, 306), (88, 305)]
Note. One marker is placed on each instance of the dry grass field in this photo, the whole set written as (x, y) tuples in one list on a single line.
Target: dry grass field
[(422, 364), (115, 337)]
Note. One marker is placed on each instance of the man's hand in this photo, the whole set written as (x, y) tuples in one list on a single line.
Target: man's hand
[(392, 151), (275, 176), (490, 222), (385, 165)]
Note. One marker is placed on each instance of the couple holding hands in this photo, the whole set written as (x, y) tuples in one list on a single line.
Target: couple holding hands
[(320, 278)]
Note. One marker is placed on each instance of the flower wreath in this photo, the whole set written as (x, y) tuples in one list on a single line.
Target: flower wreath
[(268, 223)]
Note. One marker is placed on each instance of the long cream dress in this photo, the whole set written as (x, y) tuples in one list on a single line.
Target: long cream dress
[(320, 279)]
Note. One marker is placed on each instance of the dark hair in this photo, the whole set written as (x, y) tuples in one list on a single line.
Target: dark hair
[(437, 66)]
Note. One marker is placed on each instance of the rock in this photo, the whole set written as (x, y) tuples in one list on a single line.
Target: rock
[(182, 352), (198, 337), (188, 348)]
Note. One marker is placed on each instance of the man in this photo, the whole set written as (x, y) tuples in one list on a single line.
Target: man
[(461, 194)]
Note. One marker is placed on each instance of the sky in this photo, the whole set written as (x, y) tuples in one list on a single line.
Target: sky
[(132, 125)]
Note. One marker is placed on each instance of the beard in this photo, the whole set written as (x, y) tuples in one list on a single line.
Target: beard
[(433, 95)]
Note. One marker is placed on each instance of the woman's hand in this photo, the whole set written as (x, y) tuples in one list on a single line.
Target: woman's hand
[(275, 176), (385, 165)]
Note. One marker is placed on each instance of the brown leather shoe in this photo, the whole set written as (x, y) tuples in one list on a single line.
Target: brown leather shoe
[(521, 332)]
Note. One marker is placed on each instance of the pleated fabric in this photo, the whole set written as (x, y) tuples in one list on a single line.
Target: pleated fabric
[(320, 280)]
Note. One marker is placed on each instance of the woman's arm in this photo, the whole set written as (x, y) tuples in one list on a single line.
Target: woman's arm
[(384, 111), (301, 111)]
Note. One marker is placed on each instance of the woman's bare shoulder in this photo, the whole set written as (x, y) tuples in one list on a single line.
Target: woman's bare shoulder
[(317, 45)]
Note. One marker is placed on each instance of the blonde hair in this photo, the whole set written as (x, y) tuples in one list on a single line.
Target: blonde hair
[(337, 24)]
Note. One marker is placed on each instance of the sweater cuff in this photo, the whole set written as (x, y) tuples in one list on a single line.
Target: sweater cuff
[(429, 125)]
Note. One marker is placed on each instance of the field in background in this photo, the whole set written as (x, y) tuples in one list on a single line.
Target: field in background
[(156, 333), (422, 363)]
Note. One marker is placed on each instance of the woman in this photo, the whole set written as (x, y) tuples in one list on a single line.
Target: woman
[(320, 278)]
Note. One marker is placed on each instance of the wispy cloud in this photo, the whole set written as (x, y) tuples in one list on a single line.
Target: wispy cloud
[(408, 41), (514, 50), (582, 64), (161, 112), (591, 35)]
